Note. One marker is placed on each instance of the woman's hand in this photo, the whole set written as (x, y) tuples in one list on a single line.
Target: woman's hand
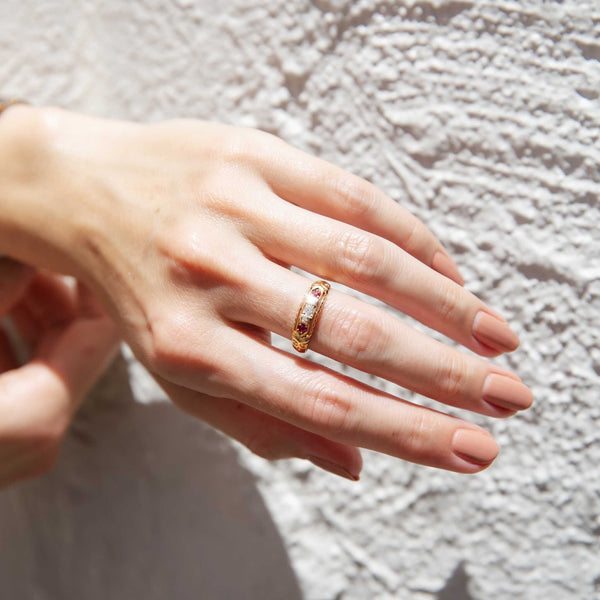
[(71, 341), (185, 231)]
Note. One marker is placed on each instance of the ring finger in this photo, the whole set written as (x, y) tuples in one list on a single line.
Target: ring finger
[(374, 341)]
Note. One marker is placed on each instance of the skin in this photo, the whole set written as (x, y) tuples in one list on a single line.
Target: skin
[(70, 341), (185, 230)]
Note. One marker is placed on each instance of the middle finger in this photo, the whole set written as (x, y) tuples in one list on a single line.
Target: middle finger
[(374, 265)]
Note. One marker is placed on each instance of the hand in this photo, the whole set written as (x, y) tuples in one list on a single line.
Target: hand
[(71, 342), (185, 229)]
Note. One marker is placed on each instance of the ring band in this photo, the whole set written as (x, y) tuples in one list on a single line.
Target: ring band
[(308, 314)]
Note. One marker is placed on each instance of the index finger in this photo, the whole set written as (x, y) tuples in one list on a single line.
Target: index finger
[(324, 188)]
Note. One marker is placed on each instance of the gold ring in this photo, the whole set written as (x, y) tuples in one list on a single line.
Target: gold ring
[(308, 314)]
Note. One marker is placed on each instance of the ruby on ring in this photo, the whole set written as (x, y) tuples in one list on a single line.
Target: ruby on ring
[(308, 314)]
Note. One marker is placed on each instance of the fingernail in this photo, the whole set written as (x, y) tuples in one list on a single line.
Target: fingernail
[(332, 467), (474, 445), (506, 392), (494, 333), (443, 264)]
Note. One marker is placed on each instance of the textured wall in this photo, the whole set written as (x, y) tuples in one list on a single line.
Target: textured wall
[(483, 118)]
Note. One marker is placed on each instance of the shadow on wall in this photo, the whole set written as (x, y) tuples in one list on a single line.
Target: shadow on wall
[(145, 502), (457, 587)]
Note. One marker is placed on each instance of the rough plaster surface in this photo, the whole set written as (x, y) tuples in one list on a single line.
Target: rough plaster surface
[(483, 118)]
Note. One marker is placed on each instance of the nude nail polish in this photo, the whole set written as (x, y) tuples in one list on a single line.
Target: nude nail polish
[(443, 264), (332, 467), (475, 446), (494, 333), (506, 392)]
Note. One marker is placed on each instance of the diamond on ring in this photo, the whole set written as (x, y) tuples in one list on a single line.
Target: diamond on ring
[(308, 314)]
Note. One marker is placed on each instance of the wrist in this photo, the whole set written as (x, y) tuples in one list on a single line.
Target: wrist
[(36, 224)]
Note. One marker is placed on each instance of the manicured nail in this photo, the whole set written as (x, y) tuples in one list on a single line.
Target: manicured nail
[(443, 264), (506, 392), (475, 446), (494, 333), (332, 467)]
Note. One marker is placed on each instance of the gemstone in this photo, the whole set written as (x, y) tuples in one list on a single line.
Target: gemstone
[(302, 327), (316, 292), (308, 310)]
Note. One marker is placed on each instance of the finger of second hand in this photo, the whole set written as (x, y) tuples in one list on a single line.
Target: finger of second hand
[(7, 358), (15, 277), (51, 300), (42, 395), (79, 355), (25, 331)]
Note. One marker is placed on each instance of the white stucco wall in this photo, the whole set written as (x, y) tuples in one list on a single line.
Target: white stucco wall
[(483, 118)]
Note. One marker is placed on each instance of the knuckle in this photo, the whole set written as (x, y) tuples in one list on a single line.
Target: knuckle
[(414, 437), (448, 303), (245, 146), (173, 353), (164, 350), (262, 443), (215, 195), (236, 147), (262, 140), (196, 252), (39, 123), (356, 195), (414, 237), (358, 332), (185, 247), (451, 375), (328, 406), (361, 255)]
